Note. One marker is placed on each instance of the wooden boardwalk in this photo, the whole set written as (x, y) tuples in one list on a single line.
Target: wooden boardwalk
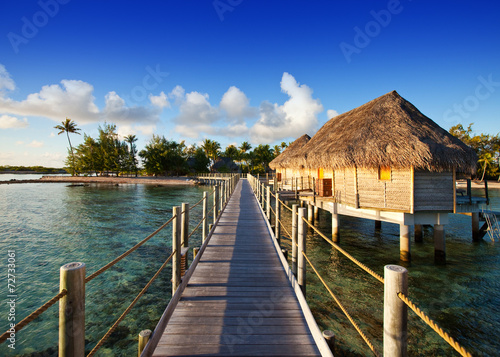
[(239, 301)]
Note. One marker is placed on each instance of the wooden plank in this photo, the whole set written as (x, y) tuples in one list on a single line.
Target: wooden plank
[(239, 300), (236, 350)]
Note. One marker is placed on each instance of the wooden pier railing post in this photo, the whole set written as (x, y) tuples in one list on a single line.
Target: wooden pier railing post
[(216, 190), (176, 246), (295, 209), (301, 260), (277, 218), (205, 217), (395, 311), (185, 231), (72, 311), (221, 197), (144, 336), (268, 203)]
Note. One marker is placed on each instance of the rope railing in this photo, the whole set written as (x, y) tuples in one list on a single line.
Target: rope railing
[(378, 277), (284, 205), (128, 252), (33, 315), (64, 292), (196, 228), (129, 308), (344, 310), (434, 326), (350, 257)]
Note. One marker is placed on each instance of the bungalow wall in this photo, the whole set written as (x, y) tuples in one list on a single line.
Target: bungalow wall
[(434, 191)]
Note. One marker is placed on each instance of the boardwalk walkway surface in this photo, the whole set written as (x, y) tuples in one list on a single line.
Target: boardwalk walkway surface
[(239, 301)]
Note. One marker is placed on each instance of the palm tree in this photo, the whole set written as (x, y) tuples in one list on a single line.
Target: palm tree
[(212, 150), (69, 126), (487, 159), (131, 139), (244, 147)]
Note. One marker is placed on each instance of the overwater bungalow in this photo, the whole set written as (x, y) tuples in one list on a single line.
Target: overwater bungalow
[(281, 163), (385, 161)]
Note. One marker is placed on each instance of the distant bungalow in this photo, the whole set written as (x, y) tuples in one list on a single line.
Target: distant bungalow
[(385, 161)]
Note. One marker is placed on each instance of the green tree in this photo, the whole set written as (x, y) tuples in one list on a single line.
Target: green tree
[(86, 155), (161, 157), (232, 152), (131, 139), (487, 148), (69, 126), (262, 156), (212, 150), (201, 161)]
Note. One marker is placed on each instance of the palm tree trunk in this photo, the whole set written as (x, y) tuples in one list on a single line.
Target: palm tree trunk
[(72, 154), (484, 171)]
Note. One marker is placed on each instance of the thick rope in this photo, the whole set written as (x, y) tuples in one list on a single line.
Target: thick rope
[(363, 336), (283, 226), (34, 315), (125, 313), (434, 326), (134, 248), (198, 226), (284, 205), (354, 260), (196, 204)]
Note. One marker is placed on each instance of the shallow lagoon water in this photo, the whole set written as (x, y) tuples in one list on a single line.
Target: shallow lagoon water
[(49, 225)]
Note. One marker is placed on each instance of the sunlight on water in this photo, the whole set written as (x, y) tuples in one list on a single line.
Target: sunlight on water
[(49, 225)]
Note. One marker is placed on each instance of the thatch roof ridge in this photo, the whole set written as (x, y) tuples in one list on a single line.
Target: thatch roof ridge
[(283, 159), (387, 131)]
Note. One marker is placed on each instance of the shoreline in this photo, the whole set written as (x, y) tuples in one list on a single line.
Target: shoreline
[(164, 181)]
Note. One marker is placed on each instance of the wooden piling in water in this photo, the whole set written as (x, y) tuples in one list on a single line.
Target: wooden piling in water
[(395, 311), (277, 219), (205, 217), (295, 209), (404, 243), (144, 336), (301, 260), (215, 204), (176, 247), (72, 311), (268, 203), (439, 244)]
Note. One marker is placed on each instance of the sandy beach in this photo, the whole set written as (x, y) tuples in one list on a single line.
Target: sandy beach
[(111, 180)]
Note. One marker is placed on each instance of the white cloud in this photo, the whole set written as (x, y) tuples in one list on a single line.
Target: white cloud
[(19, 142), (196, 110), (160, 101), (8, 122), (331, 113), (36, 144), (5, 81), (74, 99), (236, 104), (177, 94), (296, 117)]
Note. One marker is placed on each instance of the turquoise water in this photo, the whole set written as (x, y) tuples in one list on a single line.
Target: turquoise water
[(49, 225), (463, 296)]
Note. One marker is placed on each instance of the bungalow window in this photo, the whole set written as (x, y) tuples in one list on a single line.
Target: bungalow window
[(384, 173)]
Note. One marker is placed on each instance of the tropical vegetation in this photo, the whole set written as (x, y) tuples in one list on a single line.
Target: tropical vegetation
[(487, 148)]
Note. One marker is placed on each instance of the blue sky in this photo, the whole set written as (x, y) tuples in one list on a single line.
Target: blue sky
[(236, 70)]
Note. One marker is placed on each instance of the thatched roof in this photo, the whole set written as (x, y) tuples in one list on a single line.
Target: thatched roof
[(388, 131), (283, 159)]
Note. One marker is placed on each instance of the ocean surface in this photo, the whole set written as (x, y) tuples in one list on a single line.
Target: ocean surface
[(50, 224)]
